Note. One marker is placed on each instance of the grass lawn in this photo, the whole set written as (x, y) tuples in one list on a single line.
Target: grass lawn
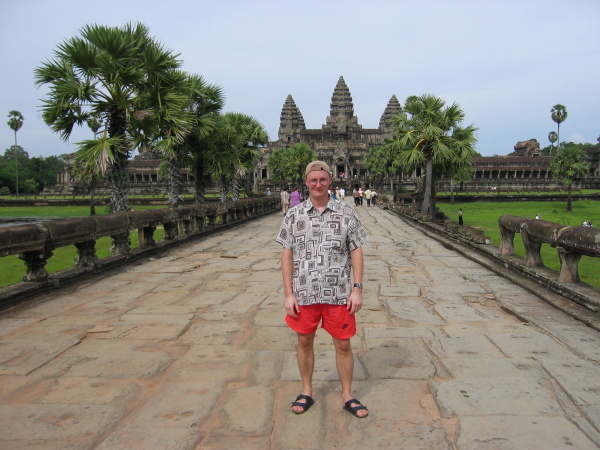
[(485, 216)]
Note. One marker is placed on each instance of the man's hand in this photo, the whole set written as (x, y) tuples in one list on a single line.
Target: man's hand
[(291, 306), (355, 300)]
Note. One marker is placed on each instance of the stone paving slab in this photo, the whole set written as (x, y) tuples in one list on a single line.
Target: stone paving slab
[(510, 432), (190, 351)]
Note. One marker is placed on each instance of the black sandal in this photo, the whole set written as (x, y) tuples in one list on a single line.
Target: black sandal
[(354, 409), (304, 406)]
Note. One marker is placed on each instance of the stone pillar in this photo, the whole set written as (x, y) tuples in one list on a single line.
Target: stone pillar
[(86, 252), (146, 236), (507, 245), (35, 262), (171, 230), (532, 250), (569, 262), (121, 244)]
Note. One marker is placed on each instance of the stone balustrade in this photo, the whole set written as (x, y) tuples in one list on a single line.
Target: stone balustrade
[(35, 243), (570, 242)]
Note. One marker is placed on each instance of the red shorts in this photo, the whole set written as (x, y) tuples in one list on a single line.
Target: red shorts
[(337, 320)]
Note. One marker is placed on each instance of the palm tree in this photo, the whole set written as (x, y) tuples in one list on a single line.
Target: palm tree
[(559, 115), (428, 133), (122, 77), (569, 165), (552, 137), (15, 123), (205, 101), (235, 151)]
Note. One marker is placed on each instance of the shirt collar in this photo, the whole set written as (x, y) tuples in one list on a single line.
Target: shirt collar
[(331, 204)]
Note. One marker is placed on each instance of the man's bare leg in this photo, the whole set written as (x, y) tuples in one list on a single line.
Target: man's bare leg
[(344, 360), (306, 364)]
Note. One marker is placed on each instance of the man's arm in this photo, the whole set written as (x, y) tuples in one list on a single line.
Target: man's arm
[(287, 265), (355, 300)]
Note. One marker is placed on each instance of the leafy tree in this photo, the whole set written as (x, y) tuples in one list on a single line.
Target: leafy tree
[(289, 164), (204, 101), (235, 150), (379, 162), (568, 166), (427, 133), (121, 77), (552, 137), (29, 186), (15, 123), (559, 115), (461, 171)]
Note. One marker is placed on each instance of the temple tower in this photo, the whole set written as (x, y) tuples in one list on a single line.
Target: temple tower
[(385, 123), (341, 122), (291, 124)]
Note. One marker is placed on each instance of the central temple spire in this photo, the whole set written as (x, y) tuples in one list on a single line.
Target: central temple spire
[(341, 118), (341, 100)]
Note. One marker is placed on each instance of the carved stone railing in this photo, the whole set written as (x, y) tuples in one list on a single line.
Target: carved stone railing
[(35, 243), (570, 242)]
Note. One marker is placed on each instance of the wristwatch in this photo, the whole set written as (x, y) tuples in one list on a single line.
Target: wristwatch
[(359, 285)]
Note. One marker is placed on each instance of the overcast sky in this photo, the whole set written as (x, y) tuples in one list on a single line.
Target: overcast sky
[(505, 62)]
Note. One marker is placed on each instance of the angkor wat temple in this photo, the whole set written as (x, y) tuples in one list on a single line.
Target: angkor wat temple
[(343, 143)]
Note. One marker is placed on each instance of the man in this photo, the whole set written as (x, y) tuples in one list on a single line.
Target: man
[(285, 200), (322, 240), (368, 194)]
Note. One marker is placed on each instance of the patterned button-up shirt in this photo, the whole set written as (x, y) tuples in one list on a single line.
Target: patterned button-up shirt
[(321, 244)]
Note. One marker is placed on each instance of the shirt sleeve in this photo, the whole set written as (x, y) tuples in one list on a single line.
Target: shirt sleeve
[(357, 235), (285, 237)]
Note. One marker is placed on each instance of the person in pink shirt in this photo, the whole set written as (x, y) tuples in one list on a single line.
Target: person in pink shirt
[(295, 198)]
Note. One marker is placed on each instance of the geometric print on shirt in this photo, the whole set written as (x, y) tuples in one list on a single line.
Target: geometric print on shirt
[(321, 243)]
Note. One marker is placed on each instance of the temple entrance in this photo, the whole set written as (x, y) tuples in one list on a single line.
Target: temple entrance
[(340, 171)]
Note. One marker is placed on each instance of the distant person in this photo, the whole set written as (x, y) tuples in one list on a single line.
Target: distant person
[(295, 198), (368, 195), (268, 191), (537, 216), (356, 196), (361, 193), (285, 200), (460, 216)]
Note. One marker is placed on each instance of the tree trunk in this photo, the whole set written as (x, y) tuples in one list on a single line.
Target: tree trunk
[(235, 187), (432, 209), (119, 185), (92, 206), (452, 191), (200, 189), (174, 182), (223, 189), (428, 183), (118, 178), (569, 206)]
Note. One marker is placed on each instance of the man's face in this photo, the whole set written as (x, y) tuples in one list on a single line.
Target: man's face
[(317, 182)]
